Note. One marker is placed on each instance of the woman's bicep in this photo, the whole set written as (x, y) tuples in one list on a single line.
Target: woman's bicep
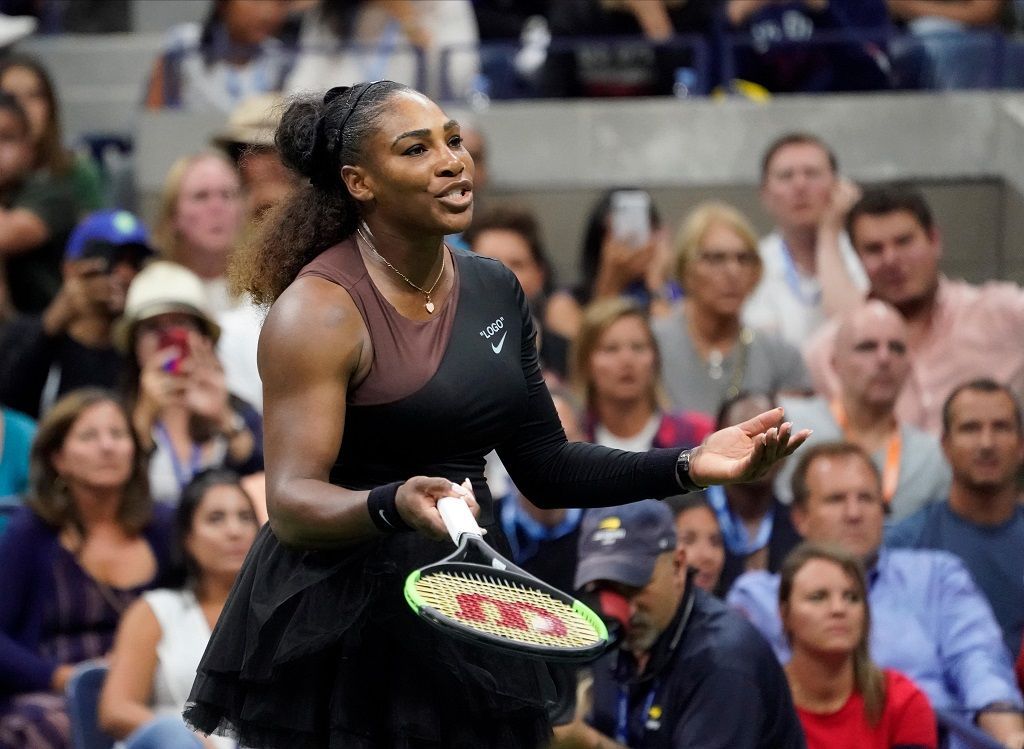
[(310, 349)]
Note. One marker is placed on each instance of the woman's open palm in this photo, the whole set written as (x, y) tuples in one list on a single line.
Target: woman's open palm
[(746, 451)]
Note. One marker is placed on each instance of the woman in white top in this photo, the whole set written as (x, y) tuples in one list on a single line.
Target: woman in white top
[(616, 367), (162, 636)]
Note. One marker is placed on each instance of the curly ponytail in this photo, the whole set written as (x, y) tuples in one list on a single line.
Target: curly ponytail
[(316, 137)]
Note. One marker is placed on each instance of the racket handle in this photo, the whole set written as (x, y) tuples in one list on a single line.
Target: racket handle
[(457, 517)]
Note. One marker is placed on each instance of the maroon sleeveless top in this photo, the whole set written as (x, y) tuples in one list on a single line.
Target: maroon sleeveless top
[(396, 338)]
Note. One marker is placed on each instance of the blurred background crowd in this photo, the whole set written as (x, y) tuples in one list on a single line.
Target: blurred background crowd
[(851, 253)]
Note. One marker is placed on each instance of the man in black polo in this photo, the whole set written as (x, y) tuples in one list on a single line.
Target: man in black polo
[(688, 671)]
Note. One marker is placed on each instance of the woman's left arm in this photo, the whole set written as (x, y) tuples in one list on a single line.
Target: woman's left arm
[(124, 702), (553, 472)]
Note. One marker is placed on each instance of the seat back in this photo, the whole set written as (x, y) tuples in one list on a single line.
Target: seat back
[(83, 693)]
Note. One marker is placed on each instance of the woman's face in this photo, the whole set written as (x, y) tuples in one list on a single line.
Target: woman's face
[(223, 528), (253, 21), (825, 612), (208, 213), (15, 149), (622, 366), (722, 272), (700, 536), (418, 179), (98, 451), (25, 86), (513, 251)]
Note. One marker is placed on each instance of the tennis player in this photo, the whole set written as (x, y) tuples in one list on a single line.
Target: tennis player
[(391, 365)]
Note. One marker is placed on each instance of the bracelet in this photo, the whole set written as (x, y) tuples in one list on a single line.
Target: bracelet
[(683, 478), (237, 426), (383, 509)]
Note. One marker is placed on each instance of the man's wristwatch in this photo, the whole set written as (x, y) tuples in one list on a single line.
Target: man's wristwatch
[(686, 483)]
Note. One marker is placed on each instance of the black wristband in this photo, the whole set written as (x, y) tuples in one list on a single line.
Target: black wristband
[(686, 483), (384, 511)]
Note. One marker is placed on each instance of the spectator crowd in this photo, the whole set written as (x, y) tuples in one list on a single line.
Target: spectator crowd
[(868, 593)]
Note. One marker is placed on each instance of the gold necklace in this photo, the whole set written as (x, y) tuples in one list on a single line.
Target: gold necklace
[(364, 231)]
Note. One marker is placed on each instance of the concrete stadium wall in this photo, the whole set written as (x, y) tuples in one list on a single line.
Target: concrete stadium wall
[(967, 149)]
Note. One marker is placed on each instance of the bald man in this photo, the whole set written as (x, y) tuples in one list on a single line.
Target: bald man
[(871, 363)]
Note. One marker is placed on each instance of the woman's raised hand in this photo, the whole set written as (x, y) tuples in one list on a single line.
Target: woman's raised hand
[(746, 451)]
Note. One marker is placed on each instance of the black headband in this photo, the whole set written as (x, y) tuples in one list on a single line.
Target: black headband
[(331, 147)]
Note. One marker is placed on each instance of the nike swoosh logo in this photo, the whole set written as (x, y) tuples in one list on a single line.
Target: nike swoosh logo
[(497, 349), (387, 522)]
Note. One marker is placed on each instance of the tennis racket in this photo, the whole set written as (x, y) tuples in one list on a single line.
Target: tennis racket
[(477, 595)]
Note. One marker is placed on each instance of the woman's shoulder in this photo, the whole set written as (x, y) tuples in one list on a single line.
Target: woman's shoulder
[(899, 688), (26, 524), (17, 423), (183, 37), (480, 263), (168, 604), (27, 543)]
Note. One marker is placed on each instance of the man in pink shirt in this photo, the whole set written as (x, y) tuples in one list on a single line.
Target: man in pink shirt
[(956, 331)]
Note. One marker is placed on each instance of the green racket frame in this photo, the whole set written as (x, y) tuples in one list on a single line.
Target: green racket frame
[(491, 564)]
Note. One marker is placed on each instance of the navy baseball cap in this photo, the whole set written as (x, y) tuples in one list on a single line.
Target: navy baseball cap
[(621, 544), (109, 234)]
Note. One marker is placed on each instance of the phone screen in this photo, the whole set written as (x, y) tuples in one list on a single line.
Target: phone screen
[(176, 338), (631, 217)]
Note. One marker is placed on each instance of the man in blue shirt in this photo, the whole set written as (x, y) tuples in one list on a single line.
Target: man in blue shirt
[(983, 521), (689, 672), (928, 619)]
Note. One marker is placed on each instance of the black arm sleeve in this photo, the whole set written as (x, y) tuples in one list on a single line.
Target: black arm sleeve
[(553, 472), (26, 354)]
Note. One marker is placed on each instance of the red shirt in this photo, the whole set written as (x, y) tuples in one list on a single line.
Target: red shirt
[(907, 721)]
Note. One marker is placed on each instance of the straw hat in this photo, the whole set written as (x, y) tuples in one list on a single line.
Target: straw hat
[(253, 122), (159, 288)]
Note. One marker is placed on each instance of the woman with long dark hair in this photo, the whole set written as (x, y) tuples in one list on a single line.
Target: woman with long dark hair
[(27, 80), (162, 635), (391, 366)]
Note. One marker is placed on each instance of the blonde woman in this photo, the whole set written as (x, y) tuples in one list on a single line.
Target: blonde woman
[(843, 699), (199, 221), (708, 354), (617, 371)]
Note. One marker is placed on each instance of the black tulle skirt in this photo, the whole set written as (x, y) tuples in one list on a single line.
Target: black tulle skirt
[(319, 649)]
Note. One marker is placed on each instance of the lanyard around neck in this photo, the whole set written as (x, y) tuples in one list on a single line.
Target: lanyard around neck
[(182, 474), (622, 716), (514, 518), (793, 279), (734, 533), (893, 452)]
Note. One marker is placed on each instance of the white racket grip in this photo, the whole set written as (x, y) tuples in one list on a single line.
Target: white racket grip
[(457, 517)]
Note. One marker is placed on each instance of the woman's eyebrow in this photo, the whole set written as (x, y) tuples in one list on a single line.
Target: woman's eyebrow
[(424, 132)]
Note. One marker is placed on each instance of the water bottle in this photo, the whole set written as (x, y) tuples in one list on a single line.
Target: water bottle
[(479, 93), (684, 83)]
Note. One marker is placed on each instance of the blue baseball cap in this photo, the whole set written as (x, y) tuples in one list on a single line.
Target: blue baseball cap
[(621, 544), (108, 234)]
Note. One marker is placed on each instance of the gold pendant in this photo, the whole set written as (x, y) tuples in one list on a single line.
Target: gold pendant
[(430, 306)]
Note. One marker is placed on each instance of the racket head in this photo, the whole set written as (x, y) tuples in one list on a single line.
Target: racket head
[(506, 609)]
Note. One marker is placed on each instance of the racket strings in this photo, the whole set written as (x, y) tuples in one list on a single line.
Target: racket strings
[(506, 609)]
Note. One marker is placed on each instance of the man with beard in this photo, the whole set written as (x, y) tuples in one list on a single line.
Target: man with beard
[(684, 657), (69, 345), (956, 331)]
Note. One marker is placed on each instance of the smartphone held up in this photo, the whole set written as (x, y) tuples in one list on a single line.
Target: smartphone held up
[(630, 214), (176, 338)]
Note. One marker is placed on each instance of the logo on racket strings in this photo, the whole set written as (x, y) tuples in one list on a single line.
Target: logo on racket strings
[(477, 607)]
